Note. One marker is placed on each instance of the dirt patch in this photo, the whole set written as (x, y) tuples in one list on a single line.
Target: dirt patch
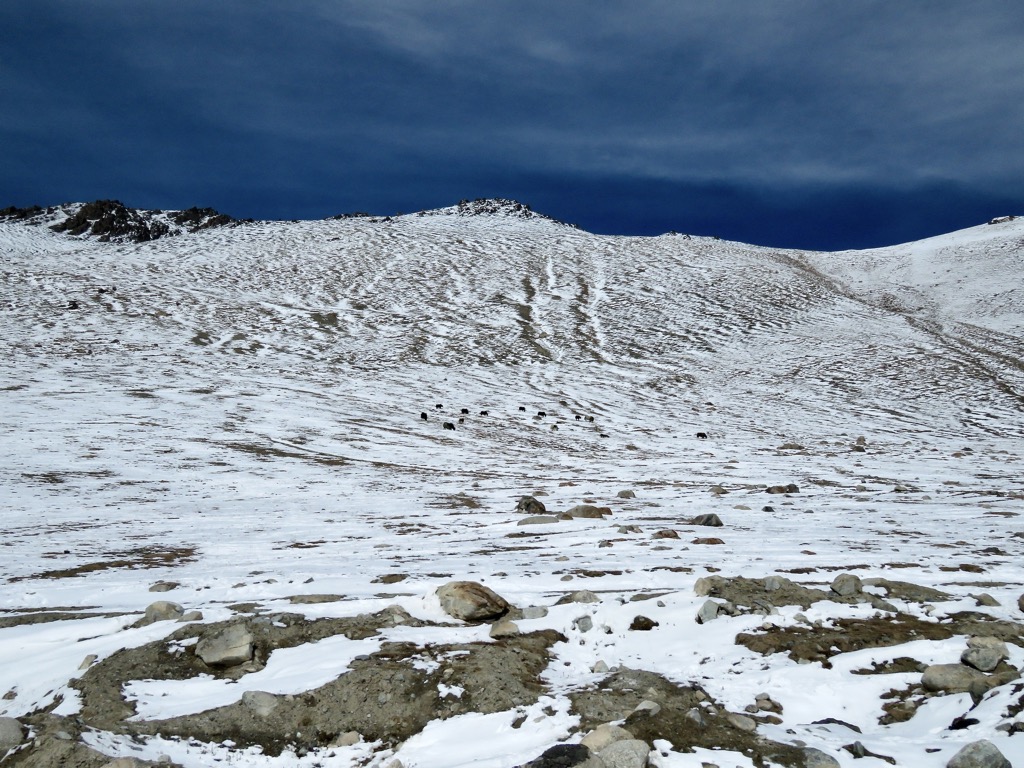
[(821, 643), (142, 557), (389, 695), (6, 622), (688, 717)]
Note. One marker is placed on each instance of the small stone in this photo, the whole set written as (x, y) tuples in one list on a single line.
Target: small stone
[(741, 722), (718, 490), (579, 596), (563, 756), (665, 533), (846, 584), (696, 716), (626, 495), (88, 661), (600, 667), (124, 762), (711, 520), (535, 612), (979, 754), (260, 702), (603, 735), (628, 753), (642, 624), (708, 540), (471, 601), (985, 600), (347, 739), (791, 488), (1020, 603), (164, 586), (530, 506), (583, 623), (226, 647), (162, 610), (63, 736), (707, 585), (708, 612), (504, 628), (190, 616), (11, 734), (648, 708), (774, 583)]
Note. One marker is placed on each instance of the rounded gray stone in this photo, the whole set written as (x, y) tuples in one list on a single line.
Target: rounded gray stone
[(163, 610), (951, 678), (982, 659), (628, 753), (815, 758), (538, 520), (226, 647), (260, 702), (11, 734), (979, 754)]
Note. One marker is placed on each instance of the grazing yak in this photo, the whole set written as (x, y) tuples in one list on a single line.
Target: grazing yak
[(423, 415), (449, 425)]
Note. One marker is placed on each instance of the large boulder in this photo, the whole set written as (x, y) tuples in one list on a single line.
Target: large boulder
[(226, 647), (950, 678), (531, 506), (470, 601), (712, 520), (979, 754)]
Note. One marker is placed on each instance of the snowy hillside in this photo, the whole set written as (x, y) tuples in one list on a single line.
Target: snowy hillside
[(253, 413)]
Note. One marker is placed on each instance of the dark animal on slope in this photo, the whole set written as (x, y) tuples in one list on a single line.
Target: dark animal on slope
[(588, 418), (578, 417), (541, 413), (462, 421), (449, 425), (702, 435), (423, 416), (522, 407), (465, 411), (439, 406), (484, 413)]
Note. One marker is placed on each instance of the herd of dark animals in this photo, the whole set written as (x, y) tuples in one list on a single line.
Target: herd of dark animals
[(540, 415)]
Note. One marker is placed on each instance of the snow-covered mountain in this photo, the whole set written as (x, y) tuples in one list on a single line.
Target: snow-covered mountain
[(250, 410)]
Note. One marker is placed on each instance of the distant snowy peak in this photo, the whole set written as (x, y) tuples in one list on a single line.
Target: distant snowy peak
[(113, 221), (493, 206)]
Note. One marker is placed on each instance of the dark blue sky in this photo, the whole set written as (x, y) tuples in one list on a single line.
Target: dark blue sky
[(811, 124)]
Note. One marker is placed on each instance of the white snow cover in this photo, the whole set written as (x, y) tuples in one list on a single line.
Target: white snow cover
[(238, 411)]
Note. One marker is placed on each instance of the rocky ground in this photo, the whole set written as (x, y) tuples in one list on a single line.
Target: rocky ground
[(700, 504)]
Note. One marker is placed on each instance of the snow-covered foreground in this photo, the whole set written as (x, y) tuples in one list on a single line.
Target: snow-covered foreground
[(237, 412)]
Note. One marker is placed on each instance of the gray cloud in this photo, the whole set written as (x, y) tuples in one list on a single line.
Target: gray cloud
[(322, 96)]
